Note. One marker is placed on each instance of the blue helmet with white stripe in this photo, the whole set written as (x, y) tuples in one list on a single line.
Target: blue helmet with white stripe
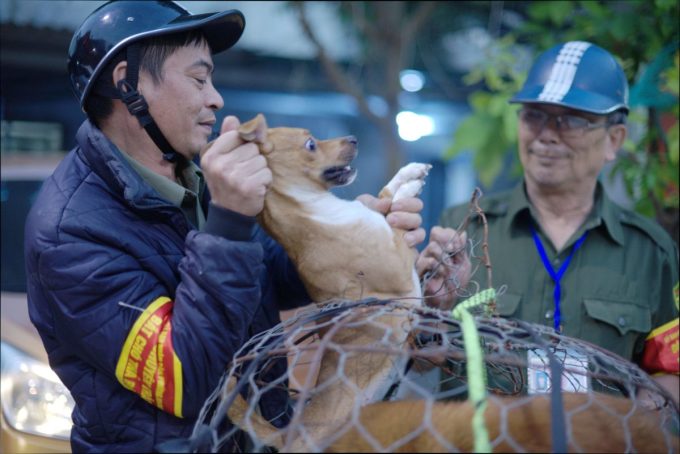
[(578, 75)]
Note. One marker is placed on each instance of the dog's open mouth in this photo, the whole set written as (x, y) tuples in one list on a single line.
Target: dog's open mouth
[(339, 175)]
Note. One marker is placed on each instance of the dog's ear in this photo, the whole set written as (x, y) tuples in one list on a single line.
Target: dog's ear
[(255, 130)]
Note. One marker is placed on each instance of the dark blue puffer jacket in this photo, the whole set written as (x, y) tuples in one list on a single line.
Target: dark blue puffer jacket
[(139, 314)]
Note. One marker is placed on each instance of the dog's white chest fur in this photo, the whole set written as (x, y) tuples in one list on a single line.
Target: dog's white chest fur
[(330, 210)]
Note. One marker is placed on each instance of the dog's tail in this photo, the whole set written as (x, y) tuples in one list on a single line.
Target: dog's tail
[(249, 420)]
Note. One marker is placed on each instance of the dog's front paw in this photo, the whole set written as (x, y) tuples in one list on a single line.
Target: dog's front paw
[(408, 181), (409, 189), (413, 171)]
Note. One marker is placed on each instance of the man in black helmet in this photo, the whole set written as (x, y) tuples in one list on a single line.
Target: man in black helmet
[(141, 285), (570, 257)]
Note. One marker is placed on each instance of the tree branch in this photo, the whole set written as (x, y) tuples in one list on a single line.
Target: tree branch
[(337, 76), (424, 11), (360, 22)]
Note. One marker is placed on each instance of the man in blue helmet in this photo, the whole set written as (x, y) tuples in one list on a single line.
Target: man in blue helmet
[(141, 284), (570, 257)]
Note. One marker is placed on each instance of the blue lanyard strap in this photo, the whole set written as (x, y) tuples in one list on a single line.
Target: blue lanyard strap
[(556, 276)]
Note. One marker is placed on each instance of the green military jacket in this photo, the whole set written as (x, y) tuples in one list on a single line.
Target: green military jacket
[(617, 288)]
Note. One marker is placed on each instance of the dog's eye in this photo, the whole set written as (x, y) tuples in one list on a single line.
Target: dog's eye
[(310, 144)]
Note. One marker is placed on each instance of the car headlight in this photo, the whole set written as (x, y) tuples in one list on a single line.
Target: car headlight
[(34, 400)]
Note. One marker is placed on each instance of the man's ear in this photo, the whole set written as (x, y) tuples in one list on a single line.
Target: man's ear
[(616, 137), (119, 72), (255, 130)]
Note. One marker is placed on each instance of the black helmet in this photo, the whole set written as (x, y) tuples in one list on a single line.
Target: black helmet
[(576, 74), (119, 26)]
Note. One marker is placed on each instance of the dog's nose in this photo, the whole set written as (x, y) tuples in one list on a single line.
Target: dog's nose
[(352, 140)]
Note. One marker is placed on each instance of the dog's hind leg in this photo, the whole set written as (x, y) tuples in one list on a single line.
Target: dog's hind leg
[(407, 182)]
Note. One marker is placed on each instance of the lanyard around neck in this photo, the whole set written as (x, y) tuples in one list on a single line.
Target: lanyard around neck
[(556, 276)]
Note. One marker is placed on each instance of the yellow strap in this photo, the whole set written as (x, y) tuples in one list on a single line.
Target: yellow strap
[(663, 328)]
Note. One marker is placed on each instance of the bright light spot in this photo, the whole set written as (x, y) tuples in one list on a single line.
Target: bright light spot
[(413, 126), (411, 80)]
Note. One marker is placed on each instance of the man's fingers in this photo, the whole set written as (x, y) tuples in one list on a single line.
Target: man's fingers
[(230, 123), (435, 251), (229, 149), (425, 263), (404, 220), (263, 177), (380, 205), (245, 160), (449, 238), (224, 143), (415, 237), (408, 204)]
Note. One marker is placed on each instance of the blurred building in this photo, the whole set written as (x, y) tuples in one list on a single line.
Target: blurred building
[(271, 70)]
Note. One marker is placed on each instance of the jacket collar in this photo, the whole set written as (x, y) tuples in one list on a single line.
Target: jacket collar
[(106, 160), (604, 213)]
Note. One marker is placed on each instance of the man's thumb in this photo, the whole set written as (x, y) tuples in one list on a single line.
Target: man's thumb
[(230, 123)]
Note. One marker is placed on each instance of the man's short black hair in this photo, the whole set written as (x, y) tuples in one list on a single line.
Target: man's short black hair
[(152, 55)]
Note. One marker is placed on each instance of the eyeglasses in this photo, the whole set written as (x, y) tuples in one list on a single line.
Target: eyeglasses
[(569, 126)]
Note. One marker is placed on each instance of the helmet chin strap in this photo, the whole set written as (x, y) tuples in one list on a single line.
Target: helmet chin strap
[(137, 106)]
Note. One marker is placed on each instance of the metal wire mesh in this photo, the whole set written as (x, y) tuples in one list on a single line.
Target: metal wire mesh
[(392, 376), (599, 388)]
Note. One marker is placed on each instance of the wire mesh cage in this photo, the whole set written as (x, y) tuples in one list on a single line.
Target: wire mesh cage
[(542, 389), (397, 376)]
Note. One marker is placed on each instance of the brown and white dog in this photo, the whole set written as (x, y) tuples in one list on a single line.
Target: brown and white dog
[(341, 249)]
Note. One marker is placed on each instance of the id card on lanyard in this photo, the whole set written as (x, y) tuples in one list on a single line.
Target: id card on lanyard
[(574, 378)]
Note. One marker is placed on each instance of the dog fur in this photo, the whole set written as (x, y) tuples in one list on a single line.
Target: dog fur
[(595, 423)]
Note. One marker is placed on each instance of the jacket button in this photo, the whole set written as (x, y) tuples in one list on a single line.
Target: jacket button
[(622, 321)]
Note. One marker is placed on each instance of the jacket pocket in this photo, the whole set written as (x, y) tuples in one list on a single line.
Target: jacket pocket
[(507, 304), (623, 316)]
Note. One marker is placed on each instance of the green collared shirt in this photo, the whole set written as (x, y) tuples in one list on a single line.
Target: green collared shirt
[(617, 288), (186, 196)]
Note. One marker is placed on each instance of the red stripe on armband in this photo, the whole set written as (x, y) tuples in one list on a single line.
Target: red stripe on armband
[(148, 364), (661, 350)]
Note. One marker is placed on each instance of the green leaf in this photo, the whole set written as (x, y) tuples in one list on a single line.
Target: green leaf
[(595, 10), (539, 11), (560, 11), (665, 5), (472, 134), (479, 100), (497, 105), (673, 135), (623, 26), (489, 163), (488, 170), (645, 207), (510, 124)]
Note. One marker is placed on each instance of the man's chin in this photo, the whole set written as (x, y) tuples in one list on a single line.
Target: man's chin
[(198, 147)]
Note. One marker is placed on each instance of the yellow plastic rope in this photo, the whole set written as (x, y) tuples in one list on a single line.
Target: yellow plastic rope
[(475, 365)]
